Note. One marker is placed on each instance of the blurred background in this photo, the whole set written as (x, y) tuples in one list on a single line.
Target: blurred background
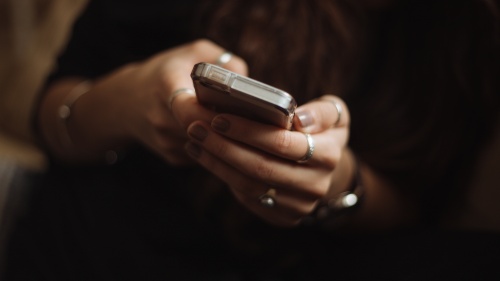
[(32, 33)]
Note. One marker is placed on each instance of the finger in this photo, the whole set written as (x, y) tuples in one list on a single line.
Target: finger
[(277, 141), (176, 74), (275, 216), (291, 206), (321, 114), (260, 165), (283, 143), (232, 62), (186, 109), (181, 60), (207, 51)]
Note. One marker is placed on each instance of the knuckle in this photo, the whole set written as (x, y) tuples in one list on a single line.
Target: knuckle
[(239, 65), (221, 150), (181, 116), (283, 141), (263, 170), (200, 44), (157, 122), (331, 159), (336, 155), (330, 163), (164, 69), (320, 189), (308, 208), (300, 211)]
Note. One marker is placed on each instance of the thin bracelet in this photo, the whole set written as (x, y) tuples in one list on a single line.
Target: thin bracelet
[(64, 111)]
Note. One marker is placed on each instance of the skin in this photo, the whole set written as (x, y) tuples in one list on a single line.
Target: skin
[(252, 157), (133, 104)]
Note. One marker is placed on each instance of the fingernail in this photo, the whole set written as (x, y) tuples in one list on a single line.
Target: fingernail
[(305, 118), (220, 124), (198, 132), (193, 150)]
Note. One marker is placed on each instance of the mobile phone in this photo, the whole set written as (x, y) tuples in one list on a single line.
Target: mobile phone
[(227, 92)]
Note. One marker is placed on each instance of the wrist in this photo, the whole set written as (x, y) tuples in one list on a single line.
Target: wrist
[(345, 196), (65, 111), (69, 129)]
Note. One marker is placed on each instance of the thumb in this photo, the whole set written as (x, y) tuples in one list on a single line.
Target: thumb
[(321, 114)]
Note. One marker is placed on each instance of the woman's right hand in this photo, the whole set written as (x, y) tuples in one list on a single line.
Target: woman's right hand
[(133, 104)]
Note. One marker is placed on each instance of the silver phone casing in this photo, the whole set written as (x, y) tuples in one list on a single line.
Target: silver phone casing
[(229, 92)]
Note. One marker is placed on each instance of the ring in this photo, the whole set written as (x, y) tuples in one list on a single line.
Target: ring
[(310, 149), (224, 58), (339, 110), (267, 199), (177, 93)]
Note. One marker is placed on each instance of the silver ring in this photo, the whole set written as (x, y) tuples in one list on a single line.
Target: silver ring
[(177, 93), (267, 199), (310, 149), (338, 107), (339, 110), (224, 58)]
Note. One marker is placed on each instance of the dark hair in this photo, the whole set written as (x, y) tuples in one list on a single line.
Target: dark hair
[(420, 77), (285, 44), (428, 97)]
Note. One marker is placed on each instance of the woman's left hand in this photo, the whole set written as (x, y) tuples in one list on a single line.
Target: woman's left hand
[(255, 159)]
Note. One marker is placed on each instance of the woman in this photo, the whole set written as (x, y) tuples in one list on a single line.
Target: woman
[(162, 212)]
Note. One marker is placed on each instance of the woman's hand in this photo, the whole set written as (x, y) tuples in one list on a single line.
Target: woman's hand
[(134, 104), (253, 158), (153, 117)]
